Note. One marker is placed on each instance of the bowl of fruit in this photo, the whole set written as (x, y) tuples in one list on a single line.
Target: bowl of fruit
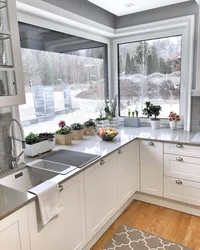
[(107, 134)]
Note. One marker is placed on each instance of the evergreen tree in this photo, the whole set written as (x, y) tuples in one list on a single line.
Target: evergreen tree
[(128, 64)]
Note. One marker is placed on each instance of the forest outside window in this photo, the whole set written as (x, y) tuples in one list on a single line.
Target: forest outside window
[(150, 70)]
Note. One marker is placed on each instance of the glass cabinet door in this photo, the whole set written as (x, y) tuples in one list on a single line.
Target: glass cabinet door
[(7, 83), (4, 24)]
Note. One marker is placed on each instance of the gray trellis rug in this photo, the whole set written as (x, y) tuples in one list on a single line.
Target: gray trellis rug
[(128, 238)]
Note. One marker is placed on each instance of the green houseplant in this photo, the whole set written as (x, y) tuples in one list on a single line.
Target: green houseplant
[(39, 143), (153, 111), (89, 127), (77, 131), (64, 134)]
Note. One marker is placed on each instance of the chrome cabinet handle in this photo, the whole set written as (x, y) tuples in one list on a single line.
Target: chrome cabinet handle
[(179, 145), (179, 159), (151, 143), (119, 151), (179, 182), (102, 162), (61, 188)]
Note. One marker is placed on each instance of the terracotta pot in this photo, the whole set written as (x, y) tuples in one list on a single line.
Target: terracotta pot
[(89, 130), (78, 134), (64, 139)]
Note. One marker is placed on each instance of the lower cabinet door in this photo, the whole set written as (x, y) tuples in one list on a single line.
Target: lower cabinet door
[(182, 190), (14, 234), (127, 171), (100, 194), (151, 167), (67, 230)]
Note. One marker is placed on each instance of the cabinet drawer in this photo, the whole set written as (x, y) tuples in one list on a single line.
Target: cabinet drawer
[(177, 166), (182, 190), (182, 149)]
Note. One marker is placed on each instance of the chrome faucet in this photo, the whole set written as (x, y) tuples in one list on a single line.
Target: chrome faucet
[(15, 159)]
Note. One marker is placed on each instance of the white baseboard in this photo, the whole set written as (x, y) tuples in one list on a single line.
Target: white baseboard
[(163, 202), (108, 224)]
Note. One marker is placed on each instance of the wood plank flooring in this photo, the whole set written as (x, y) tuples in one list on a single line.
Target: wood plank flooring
[(166, 223)]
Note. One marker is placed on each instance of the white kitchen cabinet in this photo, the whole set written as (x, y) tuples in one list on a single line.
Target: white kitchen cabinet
[(11, 74), (127, 171), (14, 233), (67, 230), (151, 167), (100, 187)]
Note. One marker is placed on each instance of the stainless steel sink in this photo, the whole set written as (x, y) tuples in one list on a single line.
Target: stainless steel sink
[(51, 166), (71, 158), (26, 178)]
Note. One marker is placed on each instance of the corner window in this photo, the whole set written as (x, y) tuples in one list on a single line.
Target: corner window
[(150, 70), (65, 78)]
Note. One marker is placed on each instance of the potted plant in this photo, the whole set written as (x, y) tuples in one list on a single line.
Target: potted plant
[(173, 119), (153, 110), (89, 127), (37, 144), (110, 111), (133, 121), (77, 131), (64, 134)]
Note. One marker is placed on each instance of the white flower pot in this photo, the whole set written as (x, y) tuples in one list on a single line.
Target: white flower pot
[(39, 148), (102, 124), (173, 125), (155, 124), (114, 122)]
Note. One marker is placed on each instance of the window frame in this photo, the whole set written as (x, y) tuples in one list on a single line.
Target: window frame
[(172, 27)]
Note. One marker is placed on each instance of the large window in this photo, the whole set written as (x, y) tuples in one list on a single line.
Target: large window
[(150, 70), (65, 78)]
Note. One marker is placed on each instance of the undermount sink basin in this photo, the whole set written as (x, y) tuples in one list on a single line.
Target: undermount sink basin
[(26, 179), (51, 166)]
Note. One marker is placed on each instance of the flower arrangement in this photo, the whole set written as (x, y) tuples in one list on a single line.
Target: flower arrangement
[(64, 129), (174, 117), (111, 105)]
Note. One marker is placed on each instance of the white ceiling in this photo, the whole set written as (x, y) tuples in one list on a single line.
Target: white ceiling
[(125, 7)]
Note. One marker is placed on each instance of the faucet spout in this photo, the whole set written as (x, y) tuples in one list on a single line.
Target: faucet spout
[(15, 159)]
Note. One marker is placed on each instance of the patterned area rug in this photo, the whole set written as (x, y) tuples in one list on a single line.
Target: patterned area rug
[(128, 238)]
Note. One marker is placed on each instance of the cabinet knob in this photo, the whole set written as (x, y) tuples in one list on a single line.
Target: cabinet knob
[(102, 162), (151, 143), (119, 151), (179, 145), (179, 159), (61, 188), (179, 182)]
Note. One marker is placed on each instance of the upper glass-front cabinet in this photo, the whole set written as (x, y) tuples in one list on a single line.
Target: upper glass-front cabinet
[(11, 74)]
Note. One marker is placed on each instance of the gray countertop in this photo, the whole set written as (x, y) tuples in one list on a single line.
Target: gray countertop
[(11, 200)]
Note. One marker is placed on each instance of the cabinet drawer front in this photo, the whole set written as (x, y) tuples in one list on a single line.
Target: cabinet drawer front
[(182, 149), (182, 190), (177, 166)]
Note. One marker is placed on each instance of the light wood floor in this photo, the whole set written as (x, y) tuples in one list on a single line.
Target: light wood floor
[(166, 223)]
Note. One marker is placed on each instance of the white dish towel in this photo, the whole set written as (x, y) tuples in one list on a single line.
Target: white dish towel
[(49, 199)]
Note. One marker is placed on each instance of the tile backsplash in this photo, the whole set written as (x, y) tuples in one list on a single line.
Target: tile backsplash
[(5, 120), (196, 114)]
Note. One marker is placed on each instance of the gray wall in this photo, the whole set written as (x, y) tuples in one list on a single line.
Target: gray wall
[(86, 9), (163, 13), (5, 120)]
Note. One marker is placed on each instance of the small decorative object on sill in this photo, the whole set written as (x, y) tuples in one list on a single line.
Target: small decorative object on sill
[(89, 127), (153, 110), (37, 144), (173, 119), (107, 134), (64, 134), (129, 113), (77, 131), (110, 111), (133, 114)]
